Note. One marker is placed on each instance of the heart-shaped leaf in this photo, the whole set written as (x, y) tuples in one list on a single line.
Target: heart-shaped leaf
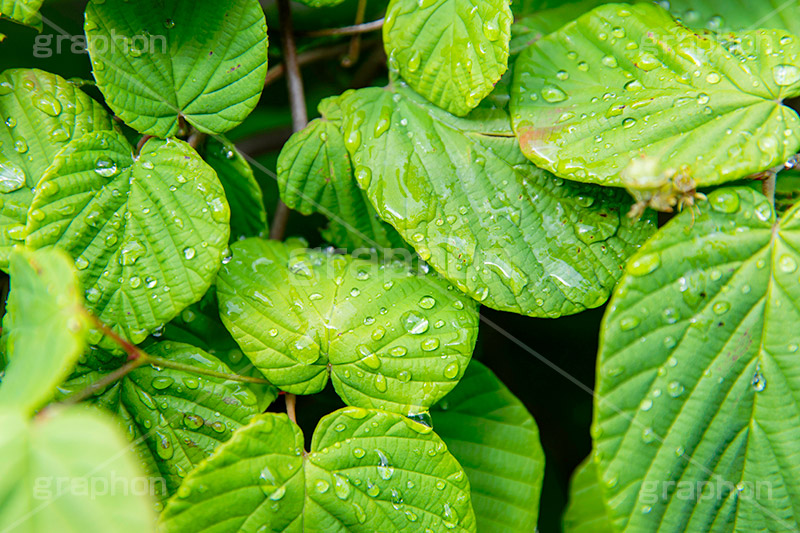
[(70, 472), (393, 338), (698, 374), (248, 214), (39, 114), (147, 232), (473, 207), (315, 176), (176, 418), (452, 52), (367, 471), (496, 441), (586, 512), (46, 327), (622, 82), (22, 11), (203, 62)]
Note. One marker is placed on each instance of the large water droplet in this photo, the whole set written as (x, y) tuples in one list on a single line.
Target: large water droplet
[(785, 74)]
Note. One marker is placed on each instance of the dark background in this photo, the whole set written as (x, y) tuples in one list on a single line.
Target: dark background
[(561, 408)]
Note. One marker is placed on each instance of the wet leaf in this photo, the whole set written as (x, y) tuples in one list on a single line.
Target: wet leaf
[(248, 214), (23, 11), (147, 234), (39, 114), (452, 52), (175, 418), (586, 512), (623, 82), (368, 470), (203, 62), (394, 338), (46, 327), (496, 440), (315, 175), (67, 473), (698, 385), (512, 236)]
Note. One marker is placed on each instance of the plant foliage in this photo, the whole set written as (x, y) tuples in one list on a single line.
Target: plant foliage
[(156, 326)]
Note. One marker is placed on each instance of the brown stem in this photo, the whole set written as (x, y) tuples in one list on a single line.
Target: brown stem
[(297, 100), (106, 380), (142, 142), (305, 58), (355, 42), (768, 186), (291, 407), (355, 29), (196, 139), (132, 350)]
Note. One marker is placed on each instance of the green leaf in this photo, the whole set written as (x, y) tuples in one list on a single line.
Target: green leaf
[(459, 190), (367, 471), (176, 418), (248, 214), (70, 472), (698, 386), (452, 52), (46, 327), (534, 22), (23, 11), (586, 512), (315, 176), (147, 232), (205, 63), (585, 102), (200, 325), (394, 339), (42, 112), (496, 440)]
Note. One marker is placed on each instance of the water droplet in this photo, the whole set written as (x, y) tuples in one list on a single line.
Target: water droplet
[(380, 382), (427, 302), (106, 167), (12, 177), (724, 201), (162, 382), (491, 28), (169, 24), (451, 370), (644, 264), (341, 487), (784, 74), (385, 469), (787, 264), (414, 61), (193, 421), (722, 307), (48, 104), (675, 389), (759, 382), (359, 453), (553, 94), (322, 486), (629, 323), (398, 351), (414, 323)]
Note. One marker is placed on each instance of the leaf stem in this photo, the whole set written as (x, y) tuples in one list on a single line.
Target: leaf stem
[(297, 101), (768, 186), (305, 58), (132, 350), (106, 380), (291, 406), (355, 42), (196, 139), (166, 363), (355, 29)]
